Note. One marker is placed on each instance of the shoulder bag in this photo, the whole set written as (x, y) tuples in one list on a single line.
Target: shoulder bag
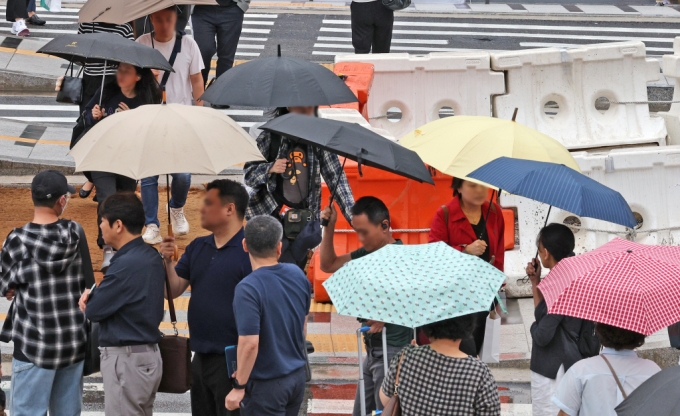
[(393, 407), (91, 363), (71, 91), (176, 355), (396, 5), (616, 378)]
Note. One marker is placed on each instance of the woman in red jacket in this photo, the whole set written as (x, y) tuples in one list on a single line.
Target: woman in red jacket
[(467, 224)]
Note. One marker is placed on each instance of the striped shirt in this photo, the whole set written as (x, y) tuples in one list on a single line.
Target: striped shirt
[(124, 30)]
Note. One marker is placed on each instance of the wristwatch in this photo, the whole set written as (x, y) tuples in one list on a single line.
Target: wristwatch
[(238, 386)]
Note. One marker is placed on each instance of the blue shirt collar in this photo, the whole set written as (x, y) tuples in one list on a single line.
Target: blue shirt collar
[(612, 351), (235, 241)]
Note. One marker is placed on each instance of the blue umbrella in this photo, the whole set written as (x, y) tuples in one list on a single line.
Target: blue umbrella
[(557, 185)]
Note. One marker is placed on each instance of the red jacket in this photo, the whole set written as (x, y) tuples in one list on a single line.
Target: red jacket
[(459, 230)]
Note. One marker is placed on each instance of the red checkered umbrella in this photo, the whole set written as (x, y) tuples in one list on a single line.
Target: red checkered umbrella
[(623, 284)]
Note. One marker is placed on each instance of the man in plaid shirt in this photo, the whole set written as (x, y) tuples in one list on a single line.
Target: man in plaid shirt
[(293, 176), (43, 265)]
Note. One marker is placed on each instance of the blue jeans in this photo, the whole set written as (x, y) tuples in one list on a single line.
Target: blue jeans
[(31, 6), (36, 390), (181, 182)]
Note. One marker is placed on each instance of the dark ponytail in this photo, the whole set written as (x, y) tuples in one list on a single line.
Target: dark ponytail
[(147, 88), (558, 240)]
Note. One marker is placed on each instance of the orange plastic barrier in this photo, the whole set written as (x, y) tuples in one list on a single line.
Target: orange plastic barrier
[(359, 79), (509, 217)]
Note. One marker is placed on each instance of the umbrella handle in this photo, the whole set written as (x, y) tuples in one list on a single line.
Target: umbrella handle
[(175, 256)]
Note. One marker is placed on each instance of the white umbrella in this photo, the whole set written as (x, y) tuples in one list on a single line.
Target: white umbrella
[(123, 11)]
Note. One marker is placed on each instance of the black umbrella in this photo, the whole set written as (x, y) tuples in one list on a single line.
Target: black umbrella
[(657, 396), (278, 82), (105, 48)]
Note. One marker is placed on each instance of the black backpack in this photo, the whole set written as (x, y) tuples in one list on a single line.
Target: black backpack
[(588, 343)]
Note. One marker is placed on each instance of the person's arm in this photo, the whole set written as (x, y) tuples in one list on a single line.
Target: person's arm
[(8, 274), (330, 262), (569, 393), (439, 230), (335, 178), (90, 120), (533, 271), (487, 402), (195, 67), (111, 294), (561, 413), (246, 355), (544, 328), (387, 388), (257, 174), (499, 260), (179, 281), (197, 88)]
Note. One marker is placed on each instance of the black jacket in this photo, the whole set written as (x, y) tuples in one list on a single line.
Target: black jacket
[(554, 342)]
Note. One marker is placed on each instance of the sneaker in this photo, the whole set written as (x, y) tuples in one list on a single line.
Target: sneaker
[(36, 20), (180, 225), (19, 28), (152, 235), (108, 255)]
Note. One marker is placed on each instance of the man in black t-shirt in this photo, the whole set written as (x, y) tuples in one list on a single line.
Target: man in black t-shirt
[(371, 221)]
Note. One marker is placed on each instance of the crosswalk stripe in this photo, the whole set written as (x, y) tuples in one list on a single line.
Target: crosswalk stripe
[(394, 48), (574, 45), (414, 41), (555, 28), (257, 22), (249, 46), (247, 54), (510, 35)]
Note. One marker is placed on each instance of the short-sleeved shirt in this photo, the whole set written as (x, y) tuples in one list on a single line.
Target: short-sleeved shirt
[(273, 302), (188, 62), (589, 388), (213, 273), (434, 384), (396, 335)]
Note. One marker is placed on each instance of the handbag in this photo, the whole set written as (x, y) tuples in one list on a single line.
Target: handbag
[(176, 356), (393, 407), (92, 361), (396, 5), (71, 91)]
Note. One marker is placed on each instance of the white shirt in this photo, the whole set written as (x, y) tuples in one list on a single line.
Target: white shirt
[(188, 62), (589, 388)]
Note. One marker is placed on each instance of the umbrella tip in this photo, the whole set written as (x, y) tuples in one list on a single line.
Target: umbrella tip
[(279, 50), (514, 114)]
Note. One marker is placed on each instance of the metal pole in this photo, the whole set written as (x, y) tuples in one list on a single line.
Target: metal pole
[(544, 225), (101, 92), (362, 392), (386, 362)]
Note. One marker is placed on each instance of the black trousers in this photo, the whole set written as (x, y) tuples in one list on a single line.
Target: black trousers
[(211, 385), (217, 30), (277, 397), (108, 184), (371, 27), (16, 9)]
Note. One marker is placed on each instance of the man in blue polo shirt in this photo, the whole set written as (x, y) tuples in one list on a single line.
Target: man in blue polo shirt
[(213, 265), (271, 306)]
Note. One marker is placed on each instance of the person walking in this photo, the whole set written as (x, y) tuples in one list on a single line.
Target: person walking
[(93, 76), (134, 86), (184, 86), (33, 18), (596, 385), (213, 265), (271, 375), (439, 379), (371, 26), (371, 221), (469, 225), (217, 29), (128, 304), (16, 12), (45, 266), (554, 337)]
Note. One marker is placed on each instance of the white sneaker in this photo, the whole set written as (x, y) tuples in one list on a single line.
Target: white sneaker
[(152, 235), (19, 28), (180, 225)]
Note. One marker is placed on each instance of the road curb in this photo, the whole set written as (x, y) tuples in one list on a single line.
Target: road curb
[(16, 81)]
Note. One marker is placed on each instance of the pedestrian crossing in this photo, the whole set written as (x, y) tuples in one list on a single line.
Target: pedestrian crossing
[(414, 35), (256, 30)]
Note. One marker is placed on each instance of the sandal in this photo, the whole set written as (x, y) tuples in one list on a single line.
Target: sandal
[(84, 193)]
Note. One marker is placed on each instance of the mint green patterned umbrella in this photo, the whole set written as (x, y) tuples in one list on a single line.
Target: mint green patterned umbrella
[(414, 285)]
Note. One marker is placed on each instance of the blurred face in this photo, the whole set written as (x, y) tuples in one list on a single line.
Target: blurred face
[(213, 213), (164, 23), (127, 76), (305, 111), (547, 259), (111, 232), (473, 194), (371, 236)]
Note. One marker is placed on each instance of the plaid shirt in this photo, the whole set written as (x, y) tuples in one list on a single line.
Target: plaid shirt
[(43, 264), (321, 162)]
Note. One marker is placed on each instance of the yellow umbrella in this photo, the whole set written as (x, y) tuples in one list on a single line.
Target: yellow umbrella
[(458, 145)]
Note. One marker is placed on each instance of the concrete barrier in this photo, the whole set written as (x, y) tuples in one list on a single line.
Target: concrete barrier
[(352, 116), (671, 69), (411, 90), (569, 94)]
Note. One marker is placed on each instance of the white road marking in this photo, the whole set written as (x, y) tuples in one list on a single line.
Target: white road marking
[(393, 48), (415, 41)]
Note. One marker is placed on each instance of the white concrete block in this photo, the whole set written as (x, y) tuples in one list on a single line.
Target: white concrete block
[(353, 116), (671, 70)]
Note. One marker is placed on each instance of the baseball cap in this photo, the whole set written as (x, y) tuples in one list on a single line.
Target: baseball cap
[(50, 184)]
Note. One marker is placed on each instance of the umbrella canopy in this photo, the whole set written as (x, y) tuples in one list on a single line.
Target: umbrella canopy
[(278, 82), (557, 185), (166, 138), (119, 12), (623, 284), (105, 47), (353, 142), (458, 145), (657, 396), (414, 285)]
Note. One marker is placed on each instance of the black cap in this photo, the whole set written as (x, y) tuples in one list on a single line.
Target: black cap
[(50, 184)]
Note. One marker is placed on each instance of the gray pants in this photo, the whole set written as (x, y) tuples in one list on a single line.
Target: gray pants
[(374, 373), (217, 29), (131, 379)]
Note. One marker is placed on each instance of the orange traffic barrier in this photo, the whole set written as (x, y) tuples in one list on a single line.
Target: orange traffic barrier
[(359, 79), (509, 218)]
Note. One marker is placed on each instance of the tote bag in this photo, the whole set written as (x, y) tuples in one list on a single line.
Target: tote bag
[(491, 348)]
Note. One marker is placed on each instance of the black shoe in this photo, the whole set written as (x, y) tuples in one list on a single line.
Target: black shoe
[(83, 193), (219, 107), (35, 20)]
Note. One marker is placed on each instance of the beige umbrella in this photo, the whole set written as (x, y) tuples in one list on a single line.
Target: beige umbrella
[(162, 139), (123, 11)]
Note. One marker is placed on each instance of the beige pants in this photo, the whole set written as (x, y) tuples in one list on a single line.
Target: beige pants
[(131, 378)]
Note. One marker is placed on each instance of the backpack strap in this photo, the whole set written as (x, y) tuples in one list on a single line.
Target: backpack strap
[(177, 48), (616, 378)]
